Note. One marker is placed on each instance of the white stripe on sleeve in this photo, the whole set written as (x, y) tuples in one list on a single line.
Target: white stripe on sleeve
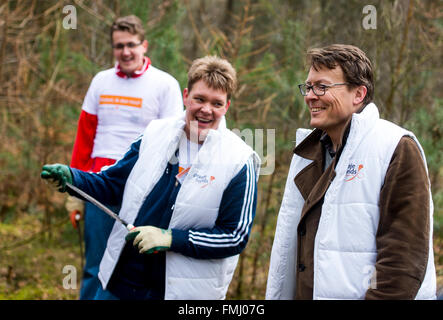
[(237, 236)]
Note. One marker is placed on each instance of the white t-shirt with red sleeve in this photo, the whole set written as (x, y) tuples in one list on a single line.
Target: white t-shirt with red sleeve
[(117, 109)]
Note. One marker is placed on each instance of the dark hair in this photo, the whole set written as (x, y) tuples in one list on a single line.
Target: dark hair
[(216, 72), (131, 24), (356, 66)]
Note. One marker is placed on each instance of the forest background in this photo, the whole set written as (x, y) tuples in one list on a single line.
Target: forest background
[(46, 66)]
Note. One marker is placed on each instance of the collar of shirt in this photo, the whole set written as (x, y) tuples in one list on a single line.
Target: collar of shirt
[(327, 142), (329, 153), (137, 73)]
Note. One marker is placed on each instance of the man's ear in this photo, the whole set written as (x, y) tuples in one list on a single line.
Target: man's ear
[(185, 96), (360, 95), (228, 104), (145, 44)]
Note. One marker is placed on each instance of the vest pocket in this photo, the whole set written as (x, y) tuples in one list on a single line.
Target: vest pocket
[(344, 275), (348, 227), (188, 216), (194, 289)]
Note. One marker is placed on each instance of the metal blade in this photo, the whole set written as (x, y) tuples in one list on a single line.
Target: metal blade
[(99, 205)]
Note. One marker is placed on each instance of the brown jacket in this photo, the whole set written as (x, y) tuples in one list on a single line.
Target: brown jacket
[(403, 232)]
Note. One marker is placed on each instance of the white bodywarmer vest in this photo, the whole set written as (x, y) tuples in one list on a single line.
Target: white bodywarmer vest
[(345, 244), (220, 158)]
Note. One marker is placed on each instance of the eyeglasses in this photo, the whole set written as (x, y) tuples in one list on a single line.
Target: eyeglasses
[(130, 45), (318, 89)]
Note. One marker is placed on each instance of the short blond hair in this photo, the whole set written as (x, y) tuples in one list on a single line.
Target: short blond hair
[(216, 72)]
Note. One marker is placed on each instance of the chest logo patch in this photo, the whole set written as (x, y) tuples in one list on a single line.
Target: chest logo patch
[(354, 171), (203, 180)]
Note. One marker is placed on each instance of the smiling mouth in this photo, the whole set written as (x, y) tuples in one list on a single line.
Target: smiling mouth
[(317, 109), (126, 60), (203, 120)]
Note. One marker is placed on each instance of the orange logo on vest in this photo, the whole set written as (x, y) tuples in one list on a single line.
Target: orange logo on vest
[(353, 172)]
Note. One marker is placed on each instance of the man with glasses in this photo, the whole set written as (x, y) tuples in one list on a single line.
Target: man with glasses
[(356, 215), (119, 104)]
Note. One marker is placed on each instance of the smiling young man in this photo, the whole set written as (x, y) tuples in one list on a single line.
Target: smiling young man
[(356, 215), (189, 185), (206, 111), (129, 49), (119, 104)]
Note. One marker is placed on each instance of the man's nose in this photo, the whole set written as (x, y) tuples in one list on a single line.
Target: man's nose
[(311, 95), (126, 50), (206, 107)]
